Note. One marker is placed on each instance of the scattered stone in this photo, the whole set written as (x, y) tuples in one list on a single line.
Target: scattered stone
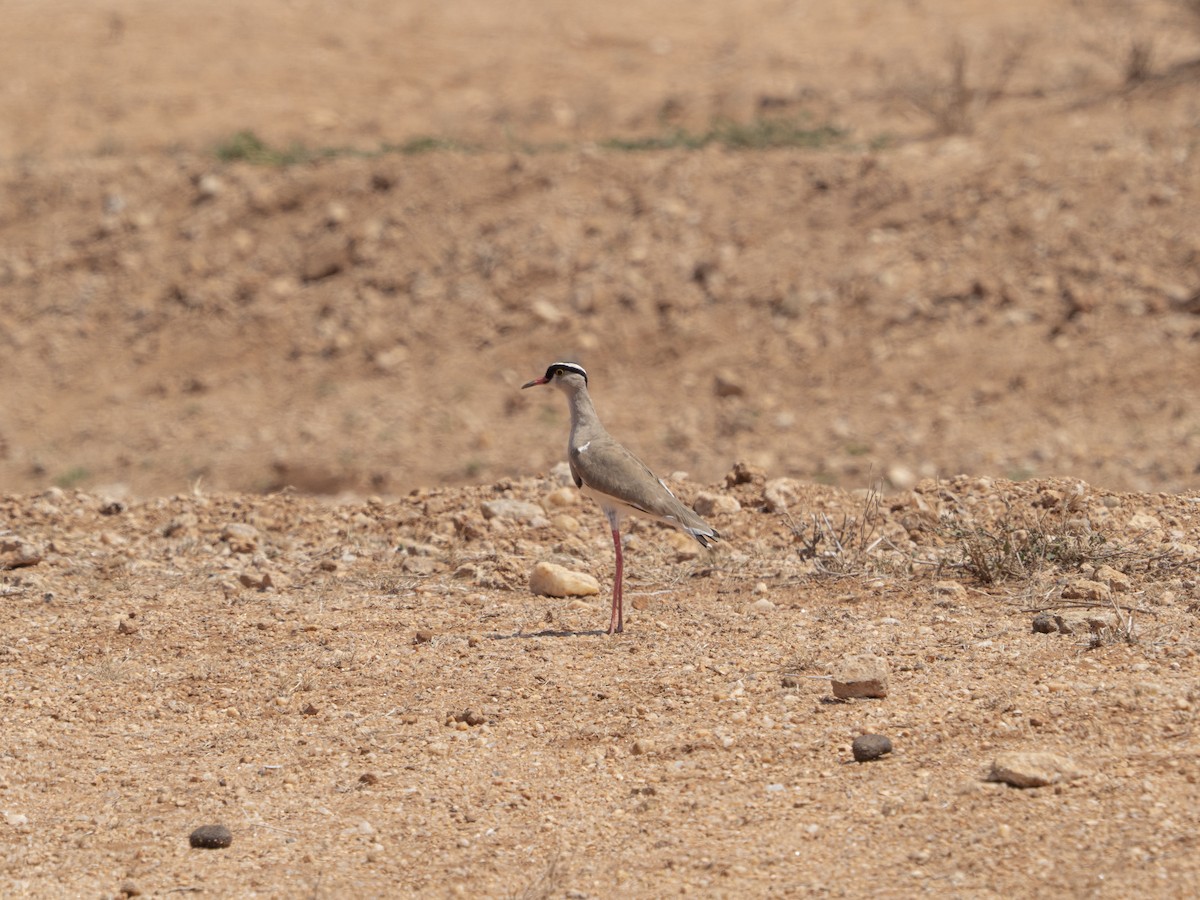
[(762, 605), (716, 505), (726, 384), (211, 837), (1043, 623), (467, 717), (562, 497), (552, 580), (181, 525), (112, 508), (860, 675), (126, 626), (744, 473), (129, 889), (642, 746), (1116, 580), (368, 778), (685, 547), (520, 510), (18, 554), (1026, 769), (867, 747), (242, 538), (902, 478), (325, 256), (309, 710), (423, 636), (1086, 590), (949, 589), (781, 493)]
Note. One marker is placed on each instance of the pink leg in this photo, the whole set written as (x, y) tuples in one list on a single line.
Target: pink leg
[(616, 623)]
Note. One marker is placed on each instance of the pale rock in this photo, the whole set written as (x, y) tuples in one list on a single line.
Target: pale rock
[(520, 510), (565, 524), (17, 554), (561, 474), (685, 547), (1144, 522), (1082, 589), (949, 589), (561, 497), (708, 504), (242, 538), (860, 675), (1033, 768), (762, 605), (1116, 581), (902, 478), (552, 580), (781, 493)]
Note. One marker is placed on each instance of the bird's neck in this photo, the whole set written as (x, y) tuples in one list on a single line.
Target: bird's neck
[(583, 415)]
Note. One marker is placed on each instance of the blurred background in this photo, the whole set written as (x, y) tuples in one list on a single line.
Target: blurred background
[(322, 245)]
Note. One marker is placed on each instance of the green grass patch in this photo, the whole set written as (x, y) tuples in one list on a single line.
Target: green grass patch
[(760, 134)]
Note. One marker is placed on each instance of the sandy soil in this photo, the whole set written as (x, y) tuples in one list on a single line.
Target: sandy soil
[(255, 408)]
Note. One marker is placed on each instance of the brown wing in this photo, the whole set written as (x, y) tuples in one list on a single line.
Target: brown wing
[(605, 466)]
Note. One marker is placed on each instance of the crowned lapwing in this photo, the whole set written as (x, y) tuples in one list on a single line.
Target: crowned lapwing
[(613, 477)]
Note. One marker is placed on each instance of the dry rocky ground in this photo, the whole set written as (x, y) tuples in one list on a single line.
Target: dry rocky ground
[(270, 279)]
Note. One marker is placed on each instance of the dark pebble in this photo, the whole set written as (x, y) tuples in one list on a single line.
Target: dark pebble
[(1044, 624), (211, 837), (867, 747), (424, 636)]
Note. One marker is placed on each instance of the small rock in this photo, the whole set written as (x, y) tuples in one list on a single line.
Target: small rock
[(642, 746), (867, 747), (467, 717), (423, 636), (685, 546), (781, 493), (762, 605), (125, 626), (902, 478), (18, 554), (1026, 769), (1116, 580), (860, 675), (552, 580), (16, 820), (726, 384), (112, 508), (211, 837), (562, 497), (744, 473), (208, 186), (520, 510), (325, 256), (242, 538), (368, 778), (565, 524), (1086, 590), (129, 889), (949, 589), (1043, 623), (716, 505)]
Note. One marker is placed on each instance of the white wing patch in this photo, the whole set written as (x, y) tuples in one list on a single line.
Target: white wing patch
[(583, 447), (665, 488)]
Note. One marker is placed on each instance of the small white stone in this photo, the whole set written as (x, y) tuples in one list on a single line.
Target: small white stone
[(762, 605), (552, 580)]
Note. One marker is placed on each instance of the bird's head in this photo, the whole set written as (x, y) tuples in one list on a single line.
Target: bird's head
[(566, 376)]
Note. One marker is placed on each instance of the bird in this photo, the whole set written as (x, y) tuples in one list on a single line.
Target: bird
[(619, 482)]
